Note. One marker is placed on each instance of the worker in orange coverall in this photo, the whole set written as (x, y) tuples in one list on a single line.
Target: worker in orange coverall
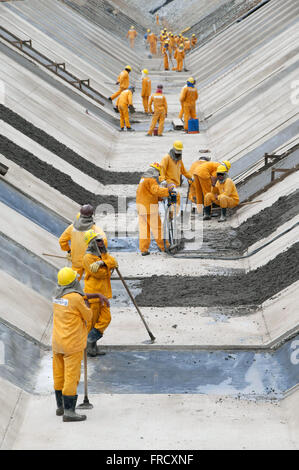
[(132, 34), (147, 200), (188, 98), (98, 265), (123, 81), (72, 239), (205, 177), (124, 103), (224, 193), (146, 90), (160, 110)]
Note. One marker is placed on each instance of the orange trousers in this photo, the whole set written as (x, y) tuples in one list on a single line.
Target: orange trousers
[(101, 316), (145, 100), (189, 113), (150, 223), (153, 48), (202, 187), (223, 201), (124, 116), (66, 372), (158, 116)]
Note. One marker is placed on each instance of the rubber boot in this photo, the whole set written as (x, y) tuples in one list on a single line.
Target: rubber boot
[(59, 402), (69, 409), (92, 339), (223, 215), (145, 253), (207, 212)]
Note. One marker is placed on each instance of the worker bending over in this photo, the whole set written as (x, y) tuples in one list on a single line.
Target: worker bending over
[(193, 170), (124, 103), (188, 98), (204, 177), (123, 81), (148, 195), (172, 168), (132, 34), (224, 194), (71, 322), (72, 239), (160, 110), (98, 265), (146, 90)]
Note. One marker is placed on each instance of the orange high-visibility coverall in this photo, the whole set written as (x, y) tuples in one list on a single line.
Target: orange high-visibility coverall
[(171, 172), (124, 81), (146, 92), (157, 18), (165, 56), (123, 102), (72, 239), (99, 282), (71, 320), (188, 98), (202, 178), (152, 40), (193, 42), (223, 194), (187, 45), (147, 198), (192, 171), (179, 55), (131, 34), (160, 112)]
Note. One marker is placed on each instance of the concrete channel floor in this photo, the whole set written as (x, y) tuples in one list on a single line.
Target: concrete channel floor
[(222, 422)]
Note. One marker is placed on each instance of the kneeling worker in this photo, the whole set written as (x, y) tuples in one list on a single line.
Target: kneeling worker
[(98, 265), (224, 194), (71, 322), (148, 195)]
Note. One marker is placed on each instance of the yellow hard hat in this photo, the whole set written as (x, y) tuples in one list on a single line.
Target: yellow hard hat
[(227, 164), (66, 276), (148, 30), (193, 34), (221, 169), (127, 67), (90, 235), (191, 80), (156, 165), (178, 145), (132, 27), (145, 71)]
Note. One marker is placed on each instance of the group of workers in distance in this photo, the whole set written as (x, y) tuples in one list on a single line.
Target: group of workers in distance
[(155, 103)]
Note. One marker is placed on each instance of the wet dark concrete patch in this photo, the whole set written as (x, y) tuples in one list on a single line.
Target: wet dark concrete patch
[(251, 288), (50, 143), (236, 373), (236, 241), (53, 177)]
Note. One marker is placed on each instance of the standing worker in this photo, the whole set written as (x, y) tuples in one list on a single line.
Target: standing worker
[(98, 265), (152, 40), (188, 98), (160, 110), (132, 34), (172, 167), (157, 18), (124, 103), (146, 90), (147, 201), (224, 194), (205, 177), (179, 55), (193, 41), (71, 321), (123, 81), (165, 55), (187, 44), (72, 239)]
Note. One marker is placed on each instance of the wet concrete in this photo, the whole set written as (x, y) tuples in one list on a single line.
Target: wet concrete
[(252, 288), (50, 143)]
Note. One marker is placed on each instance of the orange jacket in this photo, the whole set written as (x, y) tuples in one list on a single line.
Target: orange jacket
[(148, 194), (146, 87), (171, 171), (187, 45), (132, 33), (189, 95), (179, 54), (160, 103), (124, 80), (124, 99), (227, 188), (152, 38), (99, 281), (77, 244), (71, 319), (193, 41)]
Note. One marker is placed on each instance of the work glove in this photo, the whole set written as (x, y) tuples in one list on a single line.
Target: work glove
[(173, 196), (132, 109), (69, 256), (94, 267)]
